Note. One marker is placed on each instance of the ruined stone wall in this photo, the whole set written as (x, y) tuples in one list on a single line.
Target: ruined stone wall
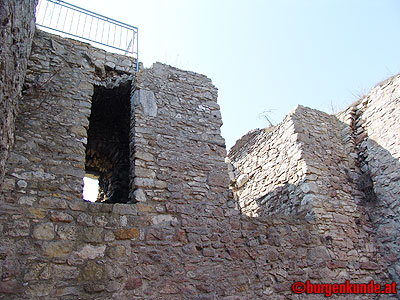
[(42, 190), (17, 25), (332, 198), (300, 165), (382, 124), (53, 119), (178, 150), (183, 238), (267, 171), (373, 138), (316, 181), (181, 235)]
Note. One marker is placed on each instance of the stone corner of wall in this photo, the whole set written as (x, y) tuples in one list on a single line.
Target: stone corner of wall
[(243, 141)]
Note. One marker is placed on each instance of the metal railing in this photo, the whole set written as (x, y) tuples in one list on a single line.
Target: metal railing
[(83, 24)]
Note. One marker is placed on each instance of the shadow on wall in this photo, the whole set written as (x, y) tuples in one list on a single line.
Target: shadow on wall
[(286, 200), (373, 194), (384, 170)]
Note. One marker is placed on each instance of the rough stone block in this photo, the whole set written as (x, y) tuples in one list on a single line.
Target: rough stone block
[(91, 252), (147, 100), (57, 249), (61, 217), (127, 233), (44, 231), (92, 272)]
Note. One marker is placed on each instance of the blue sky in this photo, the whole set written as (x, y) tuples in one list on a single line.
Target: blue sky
[(268, 55)]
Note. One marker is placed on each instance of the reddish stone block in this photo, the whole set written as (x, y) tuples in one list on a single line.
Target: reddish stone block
[(179, 235), (335, 264), (10, 287), (133, 283), (369, 265)]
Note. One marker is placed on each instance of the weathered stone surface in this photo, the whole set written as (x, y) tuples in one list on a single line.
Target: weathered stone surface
[(61, 217), (39, 290), (147, 100), (27, 200), (92, 288), (91, 252), (92, 271), (127, 233), (218, 179), (38, 271), (53, 203), (140, 196), (163, 220), (57, 249), (188, 237), (93, 235), (133, 283), (10, 287), (66, 232), (37, 212), (372, 135), (116, 251), (144, 156), (61, 272), (17, 28), (44, 231)]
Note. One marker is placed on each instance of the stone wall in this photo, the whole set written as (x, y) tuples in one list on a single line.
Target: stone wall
[(51, 135), (300, 165), (17, 25), (268, 170), (349, 180), (299, 214), (306, 161), (373, 138), (178, 150), (382, 124), (183, 237), (331, 197)]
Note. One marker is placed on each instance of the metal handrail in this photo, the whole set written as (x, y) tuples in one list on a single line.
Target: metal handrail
[(83, 24)]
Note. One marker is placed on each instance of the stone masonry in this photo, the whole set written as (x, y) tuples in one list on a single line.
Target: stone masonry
[(339, 170), (373, 134), (313, 198), (17, 25)]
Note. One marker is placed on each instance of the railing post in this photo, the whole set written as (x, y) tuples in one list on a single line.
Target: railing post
[(65, 12)]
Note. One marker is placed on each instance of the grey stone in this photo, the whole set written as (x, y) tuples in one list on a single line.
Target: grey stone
[(147, 100), (27, 200), (91, 252), (44, 231), (22, 184), (144, 156), (140, 195), (163, 220)]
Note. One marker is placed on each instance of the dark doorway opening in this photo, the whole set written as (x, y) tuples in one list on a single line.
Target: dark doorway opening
[(107, 150)]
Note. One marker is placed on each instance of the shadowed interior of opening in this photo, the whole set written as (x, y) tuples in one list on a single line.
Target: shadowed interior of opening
[(107, 150)]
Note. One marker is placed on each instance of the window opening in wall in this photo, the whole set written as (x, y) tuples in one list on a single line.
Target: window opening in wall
[(90, 188), (107, 150)]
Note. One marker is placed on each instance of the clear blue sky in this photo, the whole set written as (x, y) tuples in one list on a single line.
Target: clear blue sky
[(268, 55)]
